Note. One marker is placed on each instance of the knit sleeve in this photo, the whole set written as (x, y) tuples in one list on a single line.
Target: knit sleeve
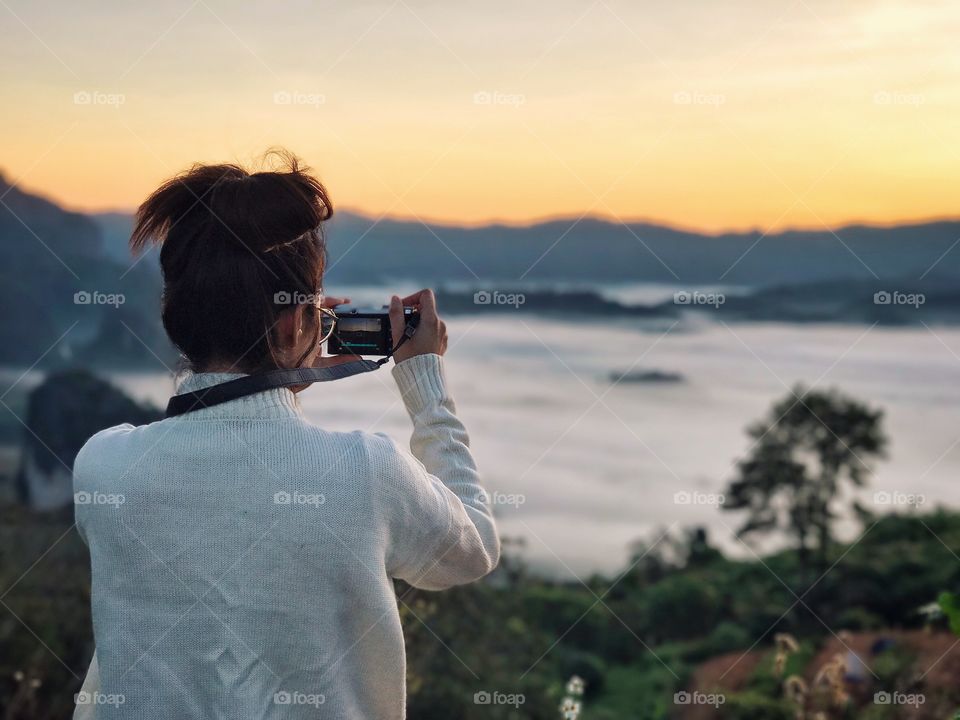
[(86, 700), (440, 526)]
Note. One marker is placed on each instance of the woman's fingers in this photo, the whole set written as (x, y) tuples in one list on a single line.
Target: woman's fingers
[(422, 299), (430, 335), (428, 304), (413, 299), (397, 323), (332, 302), (331, 360)]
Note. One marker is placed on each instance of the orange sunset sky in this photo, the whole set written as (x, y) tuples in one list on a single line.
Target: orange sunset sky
[(749, 113)]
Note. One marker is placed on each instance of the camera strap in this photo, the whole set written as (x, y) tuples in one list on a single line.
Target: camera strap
[(282, 377)]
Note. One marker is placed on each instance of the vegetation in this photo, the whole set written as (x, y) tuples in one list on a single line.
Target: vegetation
[(812, 443), (501, 636), (950, 606), (682, 621)]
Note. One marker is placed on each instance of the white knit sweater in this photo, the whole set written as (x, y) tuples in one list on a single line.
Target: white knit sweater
[(242, 557)]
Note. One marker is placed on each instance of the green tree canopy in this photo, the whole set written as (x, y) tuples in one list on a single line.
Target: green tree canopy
[(810, 445)]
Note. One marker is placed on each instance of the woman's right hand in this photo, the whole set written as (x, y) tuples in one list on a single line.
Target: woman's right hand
[(430, 335)]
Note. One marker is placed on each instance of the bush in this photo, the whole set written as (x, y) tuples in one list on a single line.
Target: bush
[(767, 681), (681, 607), (591, 668), (756, 706), (727, 637), (859, 619)]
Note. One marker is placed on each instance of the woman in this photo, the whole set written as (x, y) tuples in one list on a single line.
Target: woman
[(247, 572)]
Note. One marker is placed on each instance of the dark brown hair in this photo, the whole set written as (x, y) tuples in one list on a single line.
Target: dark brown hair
[(237, 249)]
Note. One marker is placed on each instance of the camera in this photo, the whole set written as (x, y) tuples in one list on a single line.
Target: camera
[(365, 331)]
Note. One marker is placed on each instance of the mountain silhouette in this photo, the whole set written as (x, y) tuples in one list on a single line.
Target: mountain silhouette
[(54, 272), (365, 250), (50, 257)]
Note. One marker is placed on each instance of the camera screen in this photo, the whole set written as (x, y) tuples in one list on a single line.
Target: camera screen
[(349, 324)]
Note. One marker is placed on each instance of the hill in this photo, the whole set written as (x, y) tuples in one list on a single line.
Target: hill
[(72, 294), (65, 300), (595, 251), (363, 250)]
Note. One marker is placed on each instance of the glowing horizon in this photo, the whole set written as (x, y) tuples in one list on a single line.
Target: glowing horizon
[(708, 118)]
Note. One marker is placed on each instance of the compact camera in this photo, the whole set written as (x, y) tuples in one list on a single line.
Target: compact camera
[(365, 331)]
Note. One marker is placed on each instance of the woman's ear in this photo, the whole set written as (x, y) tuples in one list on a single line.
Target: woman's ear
[(290, 329)]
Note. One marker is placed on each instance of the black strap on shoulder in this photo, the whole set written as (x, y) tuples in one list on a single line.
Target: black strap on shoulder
[(252, 384), (261, 382)]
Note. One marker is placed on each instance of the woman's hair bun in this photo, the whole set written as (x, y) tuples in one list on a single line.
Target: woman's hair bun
[(258, 211), (231, 242)]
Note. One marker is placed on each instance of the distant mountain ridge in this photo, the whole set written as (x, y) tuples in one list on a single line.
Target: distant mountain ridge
[(51, 259), (54, 271), (592, 250), (904, 301)]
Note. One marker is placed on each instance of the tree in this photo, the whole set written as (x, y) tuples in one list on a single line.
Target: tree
[(63, 412), (696, 550), (810, 445)]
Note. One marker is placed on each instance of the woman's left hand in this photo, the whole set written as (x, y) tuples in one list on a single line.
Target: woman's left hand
[(332, 302), (320, 360)]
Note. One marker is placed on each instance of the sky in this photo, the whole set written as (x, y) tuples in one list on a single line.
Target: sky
[(744, 114)]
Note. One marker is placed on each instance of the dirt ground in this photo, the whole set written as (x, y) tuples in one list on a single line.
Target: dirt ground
[(933, 671)]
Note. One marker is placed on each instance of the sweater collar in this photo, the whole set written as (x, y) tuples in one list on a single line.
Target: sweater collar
[(275, 403)]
